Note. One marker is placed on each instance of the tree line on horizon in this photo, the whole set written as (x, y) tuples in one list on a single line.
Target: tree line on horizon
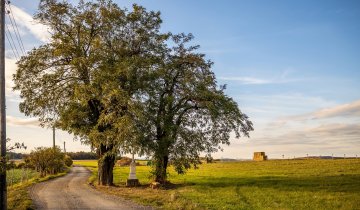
[(74, 155), (110, 77)]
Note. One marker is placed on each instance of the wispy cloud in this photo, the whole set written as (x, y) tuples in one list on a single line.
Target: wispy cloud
[(336, 134), (247, 80), (350, 109), (337, 129), (15, 121), (26, 21), (344, 110)]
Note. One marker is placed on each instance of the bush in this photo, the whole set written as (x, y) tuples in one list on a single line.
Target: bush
[(21, 165), (47, 160), (10, 165), (68, 161), (28, 163)]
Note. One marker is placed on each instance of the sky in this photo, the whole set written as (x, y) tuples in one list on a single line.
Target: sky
[(292, 66)]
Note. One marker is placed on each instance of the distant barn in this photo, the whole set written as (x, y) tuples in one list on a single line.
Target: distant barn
[(259, 156)]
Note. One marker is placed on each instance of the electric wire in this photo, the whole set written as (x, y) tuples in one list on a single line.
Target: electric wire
[(15, 26), (11, 38), (11, 46)]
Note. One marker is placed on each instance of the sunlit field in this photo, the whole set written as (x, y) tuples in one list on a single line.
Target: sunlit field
[(274, 184)]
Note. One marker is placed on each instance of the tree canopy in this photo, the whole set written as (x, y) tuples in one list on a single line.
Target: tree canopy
[(83, 79), (184, 112), (111, 78)]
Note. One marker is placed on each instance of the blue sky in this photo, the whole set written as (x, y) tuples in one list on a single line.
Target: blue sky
[(292, 66)]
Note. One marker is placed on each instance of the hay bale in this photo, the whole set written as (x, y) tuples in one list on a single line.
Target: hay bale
[(124, 161), (259, 156)]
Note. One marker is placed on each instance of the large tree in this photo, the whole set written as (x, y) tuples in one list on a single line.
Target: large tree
[(83, 79), (184, 112)]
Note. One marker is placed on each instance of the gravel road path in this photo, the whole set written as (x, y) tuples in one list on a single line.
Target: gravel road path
[(72, 192)]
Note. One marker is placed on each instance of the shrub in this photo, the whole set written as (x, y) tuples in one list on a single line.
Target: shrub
[(10, 165), (47, 160), (21, 165), (68, 161)]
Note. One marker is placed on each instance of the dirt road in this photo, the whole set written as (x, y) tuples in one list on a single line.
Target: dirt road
[(72, 192)]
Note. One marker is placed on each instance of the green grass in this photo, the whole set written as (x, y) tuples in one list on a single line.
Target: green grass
[(18, 194), (274, 184), (15, 176)]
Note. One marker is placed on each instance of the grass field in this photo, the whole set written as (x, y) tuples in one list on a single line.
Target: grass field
[(274, 184), (18, 193), (15, 176)]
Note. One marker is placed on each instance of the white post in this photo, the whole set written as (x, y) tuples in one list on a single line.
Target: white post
[(132, 181), (132, 174)]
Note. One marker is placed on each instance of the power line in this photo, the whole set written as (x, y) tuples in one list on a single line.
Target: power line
[(8, 34), (11, 46), (15, 27)]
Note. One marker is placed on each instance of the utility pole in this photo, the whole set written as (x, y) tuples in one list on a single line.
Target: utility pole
[(53, 137), (3, 190), (64, 147)]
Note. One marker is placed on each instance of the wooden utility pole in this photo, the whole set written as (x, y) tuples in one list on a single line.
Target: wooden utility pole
[(3, 191), (54, 137), (64, 147)]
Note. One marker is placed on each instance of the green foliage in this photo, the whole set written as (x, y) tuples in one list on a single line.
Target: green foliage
[(10, 165), (18, 194), (83, 79), (183, 112), (273, 184), (68, 161), (110, 77), (47, 160), (19, 175), (82, 155), (14, 155)]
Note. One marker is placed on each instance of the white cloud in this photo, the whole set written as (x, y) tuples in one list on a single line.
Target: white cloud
[(333, 130), (337, 129), (247, 80), (332, 133), (344, 110), (10, 69), (14, 121), (350, 109), (25, 20)]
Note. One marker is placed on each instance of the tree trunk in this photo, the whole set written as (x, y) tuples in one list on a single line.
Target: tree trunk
[(105, 167), (160, 170)]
